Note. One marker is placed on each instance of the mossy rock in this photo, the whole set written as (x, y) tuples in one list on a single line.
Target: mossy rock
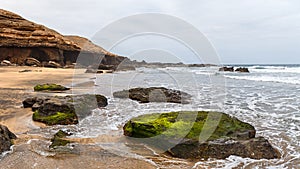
[(62, 118), (189, 125), (50, 87), (58, 139), (199, 135)]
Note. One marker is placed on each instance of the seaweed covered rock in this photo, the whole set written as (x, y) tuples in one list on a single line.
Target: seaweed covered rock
[(197, 135), (6, 137), (50, 87), (54, 111), (64, 109), (154, 94), (59, 139)]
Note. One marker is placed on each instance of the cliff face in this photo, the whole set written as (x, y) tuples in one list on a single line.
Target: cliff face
[(21, 39)]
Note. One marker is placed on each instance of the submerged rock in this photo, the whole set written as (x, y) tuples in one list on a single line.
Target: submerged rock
[(64, 110), (154, 94), (242, 69), (226, 69), (50, 87), (197, 135), (6, 137)]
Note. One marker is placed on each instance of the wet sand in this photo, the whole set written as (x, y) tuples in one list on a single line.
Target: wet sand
[(17, 86)]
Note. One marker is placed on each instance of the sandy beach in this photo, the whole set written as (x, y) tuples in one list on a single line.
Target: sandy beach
[(17, 85)]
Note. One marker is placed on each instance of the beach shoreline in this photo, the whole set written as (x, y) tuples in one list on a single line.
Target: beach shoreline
[(16, 85)]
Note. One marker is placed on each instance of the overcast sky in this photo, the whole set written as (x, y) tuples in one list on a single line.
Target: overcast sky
[(242, 31)]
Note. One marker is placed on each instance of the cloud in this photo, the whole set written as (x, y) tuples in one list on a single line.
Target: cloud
[(243, 31)]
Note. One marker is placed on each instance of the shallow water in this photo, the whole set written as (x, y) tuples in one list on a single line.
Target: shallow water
[(271, 106)]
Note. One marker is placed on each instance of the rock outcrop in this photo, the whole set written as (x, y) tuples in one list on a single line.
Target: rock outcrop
[(226, 69), (6, 137), (63, 110), (242, 69), (21, 39), (154, 94), (197, 135)]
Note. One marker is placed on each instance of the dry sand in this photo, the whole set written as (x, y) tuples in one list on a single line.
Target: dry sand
[(15, 86)]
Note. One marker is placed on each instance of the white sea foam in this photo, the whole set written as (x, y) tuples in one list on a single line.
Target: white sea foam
[(288, 80)]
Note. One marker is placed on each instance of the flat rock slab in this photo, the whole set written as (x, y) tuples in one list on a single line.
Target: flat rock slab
[(154, 94)]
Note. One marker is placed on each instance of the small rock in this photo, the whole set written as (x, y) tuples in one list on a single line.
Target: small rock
[(5, 63), (226, 69), (6, 137), (58, 139), (245, 70), (50, 87), (52, 64), (32, 62)]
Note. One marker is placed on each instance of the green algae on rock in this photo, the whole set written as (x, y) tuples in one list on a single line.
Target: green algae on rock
[(50, 87), (58, 139), (62, 118), (171, 126), (199, 135)]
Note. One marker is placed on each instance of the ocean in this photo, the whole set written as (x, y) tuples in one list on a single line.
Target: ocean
[(268, 98)]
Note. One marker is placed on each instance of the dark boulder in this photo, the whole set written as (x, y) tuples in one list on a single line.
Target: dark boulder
[(55, 111), (64, 110), (242, 69), (226, 69), (154, 94), (255, 148), (197, 135), (6, 137), (29, 102)]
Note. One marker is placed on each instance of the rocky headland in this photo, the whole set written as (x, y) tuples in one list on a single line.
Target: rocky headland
[(26, 43)]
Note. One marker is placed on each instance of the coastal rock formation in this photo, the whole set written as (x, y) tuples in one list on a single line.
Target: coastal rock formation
[(64, 110), (242, 69), (154, 94), (6, 137), (226, 69), (225, 135), (21, 39)]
